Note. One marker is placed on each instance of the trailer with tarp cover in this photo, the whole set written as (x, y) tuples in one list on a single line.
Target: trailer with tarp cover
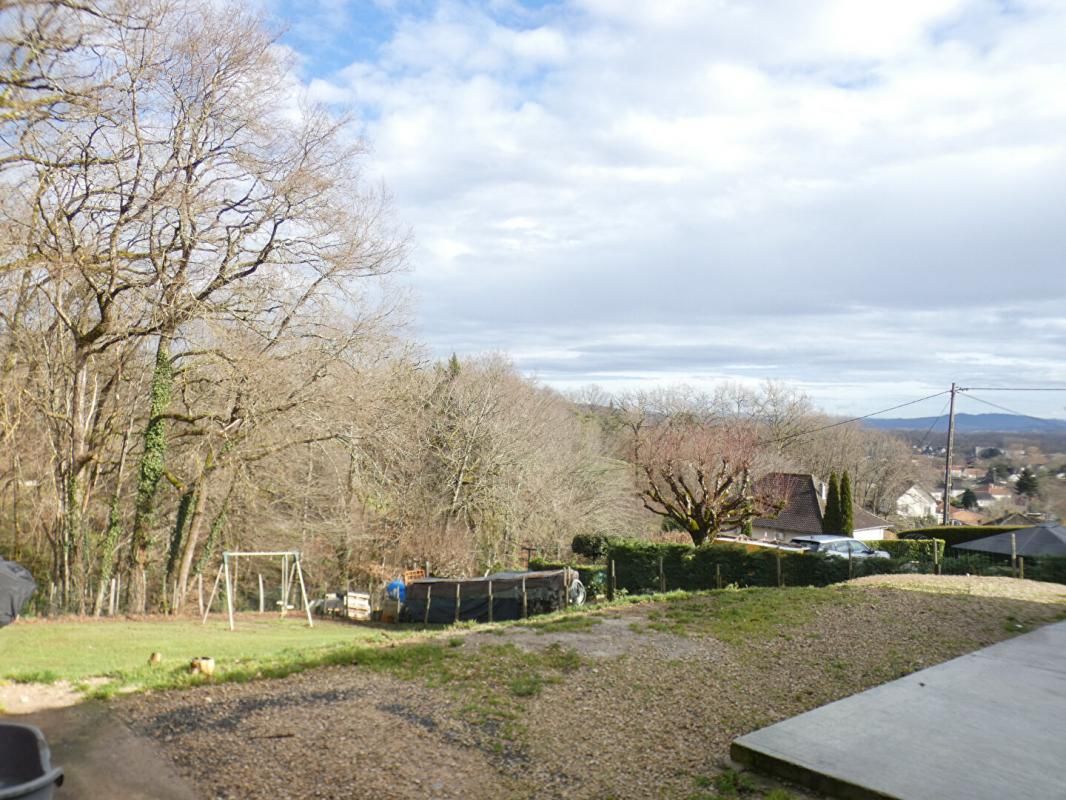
[(496, 597), (16, 588)]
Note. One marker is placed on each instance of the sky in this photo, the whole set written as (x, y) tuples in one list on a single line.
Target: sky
[(863, 200)]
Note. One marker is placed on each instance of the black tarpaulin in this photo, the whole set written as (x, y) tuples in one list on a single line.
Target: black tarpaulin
[(444, 600), (1040, 540), (16, 587)]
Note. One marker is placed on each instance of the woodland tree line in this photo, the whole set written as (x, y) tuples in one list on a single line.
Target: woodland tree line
[(200, 348)]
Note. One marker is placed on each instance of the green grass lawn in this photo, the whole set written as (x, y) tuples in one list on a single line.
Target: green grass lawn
[(76, 650)]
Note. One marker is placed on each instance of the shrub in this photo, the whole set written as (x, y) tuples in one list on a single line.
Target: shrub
[(921, 550), (592, 546)]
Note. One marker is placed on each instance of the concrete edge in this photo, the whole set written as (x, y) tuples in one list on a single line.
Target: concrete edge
[(792, 772)]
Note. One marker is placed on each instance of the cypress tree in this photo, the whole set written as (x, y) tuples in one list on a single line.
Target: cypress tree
[(847, 508), (454, 367), (831, 517)]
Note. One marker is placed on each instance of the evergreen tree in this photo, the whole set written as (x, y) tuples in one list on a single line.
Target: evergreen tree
[(847, 507), (968, 500), (454, 367), (1028, 485), (831, 517)]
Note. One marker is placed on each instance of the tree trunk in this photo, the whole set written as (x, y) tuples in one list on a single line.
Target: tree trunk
[(72, 522), (151, 471), (109, 545), (188, 546)]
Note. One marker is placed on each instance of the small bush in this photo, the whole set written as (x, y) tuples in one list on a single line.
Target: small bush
[(592, 546), (920, 550)]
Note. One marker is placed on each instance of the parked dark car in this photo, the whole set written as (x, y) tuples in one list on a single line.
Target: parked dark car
[(841, 546)]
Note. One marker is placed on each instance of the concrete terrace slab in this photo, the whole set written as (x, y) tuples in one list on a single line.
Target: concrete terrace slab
[(987, 726)]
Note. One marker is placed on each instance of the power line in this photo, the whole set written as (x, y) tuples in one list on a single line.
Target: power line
[(939, 417), (855, 419), (1013, 389), (1002, 408)]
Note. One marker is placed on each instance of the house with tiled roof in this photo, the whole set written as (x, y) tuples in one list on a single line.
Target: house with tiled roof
[(1000, 492), (960, 516), (804, 506), (991, 494), (916, 503)]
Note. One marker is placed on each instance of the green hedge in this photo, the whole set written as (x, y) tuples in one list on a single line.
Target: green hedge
[(921, 550), (637, 569), (1044, 568), (637, 565), (960, 534), (1047, 568), (977, 564)]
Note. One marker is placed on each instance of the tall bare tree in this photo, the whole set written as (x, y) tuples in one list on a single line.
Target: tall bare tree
[(195, 188), (698, 466)]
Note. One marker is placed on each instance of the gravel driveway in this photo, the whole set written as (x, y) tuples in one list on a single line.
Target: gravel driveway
[(647, 709)]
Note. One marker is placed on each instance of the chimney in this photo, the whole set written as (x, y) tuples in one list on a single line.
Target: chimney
[(823, 489)]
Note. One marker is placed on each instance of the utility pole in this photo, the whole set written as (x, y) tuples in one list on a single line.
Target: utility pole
[(947, 459)]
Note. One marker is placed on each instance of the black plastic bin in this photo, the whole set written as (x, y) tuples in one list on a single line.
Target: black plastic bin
[(26, 770)]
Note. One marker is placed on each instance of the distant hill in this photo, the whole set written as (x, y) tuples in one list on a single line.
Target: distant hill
[(972, 423)]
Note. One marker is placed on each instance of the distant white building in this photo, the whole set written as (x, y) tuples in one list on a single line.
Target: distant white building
[(916, 502)]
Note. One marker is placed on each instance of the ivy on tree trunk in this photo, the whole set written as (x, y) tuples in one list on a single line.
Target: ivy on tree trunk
[(153, 461)]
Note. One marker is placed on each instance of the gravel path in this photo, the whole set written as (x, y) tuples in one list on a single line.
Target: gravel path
[(647, 713), (329, 733)]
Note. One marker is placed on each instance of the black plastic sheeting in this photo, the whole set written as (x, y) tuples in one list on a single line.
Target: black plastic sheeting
[(1040, 540), (451, 600), (16, 587)]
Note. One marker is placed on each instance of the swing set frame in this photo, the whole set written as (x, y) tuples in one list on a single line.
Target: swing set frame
[(290, 569)]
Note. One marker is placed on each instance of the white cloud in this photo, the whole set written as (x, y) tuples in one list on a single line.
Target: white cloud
[(769, 174)]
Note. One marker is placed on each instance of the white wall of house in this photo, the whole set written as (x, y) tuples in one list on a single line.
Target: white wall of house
[(870, 534), (771, 535), (915, 503)]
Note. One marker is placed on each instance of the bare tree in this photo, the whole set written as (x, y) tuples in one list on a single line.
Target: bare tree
[(698, 468), (194, 188)]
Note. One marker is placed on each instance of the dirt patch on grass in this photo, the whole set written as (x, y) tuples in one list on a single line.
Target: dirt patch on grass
[(29, 698), (618, 632), (641, 703)]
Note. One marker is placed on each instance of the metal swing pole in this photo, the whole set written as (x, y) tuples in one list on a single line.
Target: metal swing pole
[(288, 586), (303, 591), (229, 589), (214, 590)]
